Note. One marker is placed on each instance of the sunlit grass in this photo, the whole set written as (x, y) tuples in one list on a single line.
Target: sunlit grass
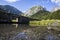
[(44, 23), (13, 20)]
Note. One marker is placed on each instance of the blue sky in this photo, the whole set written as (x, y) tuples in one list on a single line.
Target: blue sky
[(24, 5)]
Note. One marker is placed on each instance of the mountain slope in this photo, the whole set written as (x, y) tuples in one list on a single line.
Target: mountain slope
[(40, 14), (54, 15), (33, 10), (36, 12), (10, 9)]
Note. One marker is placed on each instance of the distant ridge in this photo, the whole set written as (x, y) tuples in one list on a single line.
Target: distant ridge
[(10, 9)]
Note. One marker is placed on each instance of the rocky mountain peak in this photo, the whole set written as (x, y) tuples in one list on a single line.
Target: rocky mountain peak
[(33, 10)]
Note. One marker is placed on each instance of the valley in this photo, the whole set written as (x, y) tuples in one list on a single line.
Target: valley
[(35, 24)]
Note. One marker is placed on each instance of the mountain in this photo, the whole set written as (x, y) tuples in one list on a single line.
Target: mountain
[(10, 9), (40, 15), (36, 12), (33, 10), (53, 15)]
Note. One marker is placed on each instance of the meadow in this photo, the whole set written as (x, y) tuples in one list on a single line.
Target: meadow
[(45, 23)]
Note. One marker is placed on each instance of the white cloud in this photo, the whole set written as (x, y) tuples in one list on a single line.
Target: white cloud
[(55, 9), (56, 1), (11, 1)]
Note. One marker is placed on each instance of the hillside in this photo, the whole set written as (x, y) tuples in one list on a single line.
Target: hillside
[(33, 10), (36, 12), (40, 14), (53, 15), (10, 9)]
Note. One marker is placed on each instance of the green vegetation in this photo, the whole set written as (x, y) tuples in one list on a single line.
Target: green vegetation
[(47, 15), (45, 23), (13, 20), (53, 15), (40, 14)]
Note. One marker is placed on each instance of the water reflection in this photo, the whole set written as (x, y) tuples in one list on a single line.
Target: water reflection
[(50, 37), (28, 33), (21, 36), (24, 35)]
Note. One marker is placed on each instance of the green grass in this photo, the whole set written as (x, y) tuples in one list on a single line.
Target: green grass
[(43, 23)]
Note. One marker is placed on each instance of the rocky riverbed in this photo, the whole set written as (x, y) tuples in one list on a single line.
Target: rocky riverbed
[(25, 32)]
